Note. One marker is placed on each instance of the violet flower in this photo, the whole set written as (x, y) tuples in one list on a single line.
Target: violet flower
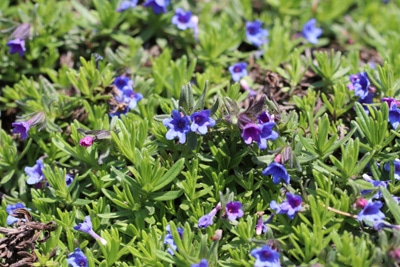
[(86, 227), (311, 32), (201, 120), (158, 6), (183, 19), (169, 240), (10, 209), (234, 210), (17, 46), (207, 219), (290, 206), (35, 173), (278, 172), (77, 259), (377, 184), (261, 226), (23, 127), (238, 71), (266, 256), (178, 126), (371, 213), (202, 263), (360, 84), (394, 116), (255, 34), (259, 133), (126, 5)]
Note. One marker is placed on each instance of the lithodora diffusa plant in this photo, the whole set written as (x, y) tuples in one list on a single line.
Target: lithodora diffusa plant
[(199, 133)]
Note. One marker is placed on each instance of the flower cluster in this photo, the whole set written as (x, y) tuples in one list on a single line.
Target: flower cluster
[(180, 125), (86, 227), (290, 206), (125, 98), (169, 239), (255, 34), (311, 32)]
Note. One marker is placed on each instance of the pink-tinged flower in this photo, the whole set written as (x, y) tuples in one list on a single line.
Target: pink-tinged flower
[(17, 46), (243, 83), (290, 206), (86, 141), (261, 226), (234, 210), (86, 227)]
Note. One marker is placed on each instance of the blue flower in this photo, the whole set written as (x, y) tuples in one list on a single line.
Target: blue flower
[(202, 263), (126, 5), (22, 128), (125, 98), (265, 257), (9, 209), (123, 82), (86, 227), (259, 133), (290, 206), (200, 121), (207, 219), (394, 116), (129, 97), (310, 32), (169, 240), (158, 6), (375, 184), (371, 213), (360, 84), (238, 71), (278, 172), (69, 179), (255, 34), (234, 210), (77, 259), (178, 126), (265, 117), (35, 172), (396, 164), (17, 46), (183, 19)]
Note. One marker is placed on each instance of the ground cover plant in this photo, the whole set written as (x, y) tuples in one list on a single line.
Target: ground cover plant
[(199, 133)]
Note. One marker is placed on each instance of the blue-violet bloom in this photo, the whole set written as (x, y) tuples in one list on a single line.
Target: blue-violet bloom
[(158, 6), (311, 32), (69, 179), (255, 34), (259, 133), (261, 226), (86, 227), (35, 173), (17, 46), (394, 116), (371, 213), (377, 184), (278, 172), (234, 210), (200, 121), (396, 164), (290, 206), (77, 259), (265, 257), (178, 126), (238, 71), (183, 19), (169, 240), (9, 209), (207, 219), (126, 5), (202, 263), (22, 127), (360, 84)]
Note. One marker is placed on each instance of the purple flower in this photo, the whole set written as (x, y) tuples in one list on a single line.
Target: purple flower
[(17, 46), (169, 240), (22, 128), (207, 219), (77, 259), (360, 84), (183, 19), (394, 116), (255, 34), (35, 172), (396, 164), (238, 71), (264, 117), (202, 263), (200, 121), (375, 184), (234, 210), (290, 206), (158, 6), (278, 172), (310, 32), (371, 213), (86, 227), (123, 82), (9, 209), (129, 97), (69, 179), (127, 4), (259, 133), (265, 257), (178, 126), (86, 141), (390, 101), (261, 226)]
